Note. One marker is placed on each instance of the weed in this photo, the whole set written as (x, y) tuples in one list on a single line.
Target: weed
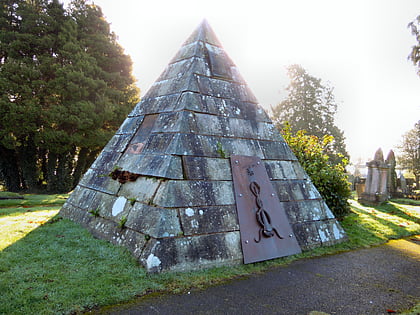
[(122, 222), (94, 212), (220, 150), (132, 201)]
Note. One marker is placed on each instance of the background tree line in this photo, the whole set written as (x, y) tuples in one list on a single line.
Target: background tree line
[(65, 87)]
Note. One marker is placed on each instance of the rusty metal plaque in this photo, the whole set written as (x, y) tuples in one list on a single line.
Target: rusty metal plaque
[(264, 226)]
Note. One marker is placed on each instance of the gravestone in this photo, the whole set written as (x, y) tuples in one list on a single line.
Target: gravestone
[(392, 174), (403, 184), (198, 176), (376, 181)]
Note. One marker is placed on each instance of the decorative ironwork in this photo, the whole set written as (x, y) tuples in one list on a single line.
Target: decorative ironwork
[(263, 217), (263, 224)]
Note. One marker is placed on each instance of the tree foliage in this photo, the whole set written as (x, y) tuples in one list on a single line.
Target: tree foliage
[(311, 106), (415, 50), (329, 179), (66, 86), (410, 152)]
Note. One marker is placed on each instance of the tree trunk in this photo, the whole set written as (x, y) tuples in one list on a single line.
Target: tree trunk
[(51, 172), (9, 170), (27, 155), (80, 166)]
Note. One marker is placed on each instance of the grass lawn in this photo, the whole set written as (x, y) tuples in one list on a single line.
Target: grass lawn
[(49, 265)]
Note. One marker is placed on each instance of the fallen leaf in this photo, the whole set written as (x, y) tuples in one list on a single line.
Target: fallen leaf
[(390, 311)]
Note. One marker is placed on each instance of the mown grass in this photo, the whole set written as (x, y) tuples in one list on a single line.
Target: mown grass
[(58, 267)]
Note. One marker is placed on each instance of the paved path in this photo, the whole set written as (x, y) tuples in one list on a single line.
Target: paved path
[(366, 281)]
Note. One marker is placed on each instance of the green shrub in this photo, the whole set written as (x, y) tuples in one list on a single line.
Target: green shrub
[(329, 179)]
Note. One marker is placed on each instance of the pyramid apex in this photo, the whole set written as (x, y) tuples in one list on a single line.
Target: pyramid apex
[(203, 33)]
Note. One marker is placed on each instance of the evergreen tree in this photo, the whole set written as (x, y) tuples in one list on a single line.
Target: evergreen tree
[(410, 152), (66, 87), (415, 49), (311, 106)]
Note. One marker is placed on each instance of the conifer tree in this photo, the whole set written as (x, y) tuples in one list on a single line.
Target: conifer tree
[(66, 86), (311, 106)]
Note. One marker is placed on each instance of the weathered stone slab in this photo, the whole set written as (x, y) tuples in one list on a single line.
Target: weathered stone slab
[(289, 190), (217, 88), (165, 166), (143, 189), (111, 207), (307, 235), (219, 62), (75, 214), (197, 145), (175, 85), (153, 221), (330, 232), (110, 231), (179, 68), (159, 143), (154, 105), (306, 210), (281, 170), (195, 49), (106, 162), (175, 193), (188, 253), (275, 150), (205, 220), (118, 143), (245, 94), (206, 168), (80, 193), (248, 147), (130, 125), (98, 180)]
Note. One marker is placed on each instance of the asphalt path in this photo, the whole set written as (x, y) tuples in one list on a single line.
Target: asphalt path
[(375, 280)]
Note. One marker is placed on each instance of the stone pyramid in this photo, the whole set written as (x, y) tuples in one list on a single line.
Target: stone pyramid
[(166, 185)]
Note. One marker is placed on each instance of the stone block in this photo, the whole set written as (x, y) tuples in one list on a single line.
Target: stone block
[(98, 180), (206, 168), (330, 232), (164, 166), (276, 150), (306, 210), (289, 190), (197, 145), (159, 143), (280, 170), (307, 235), (189, 253), (248, 147), (206, 220), (175, 193), (143, 189), (154, 105), (153, 221), (110, 231), (118, 143), (106, 162), (130, 125), (188, 51), (219, 62)]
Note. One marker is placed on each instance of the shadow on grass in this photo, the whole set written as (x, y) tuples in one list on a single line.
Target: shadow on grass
[(12, 211), (368, 226), (61, 268)]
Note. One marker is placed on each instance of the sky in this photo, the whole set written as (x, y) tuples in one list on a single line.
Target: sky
[(359, 47)]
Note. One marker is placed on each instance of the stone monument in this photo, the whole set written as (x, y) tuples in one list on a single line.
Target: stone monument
[(198, 176), (376, 180), (392, 174)]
